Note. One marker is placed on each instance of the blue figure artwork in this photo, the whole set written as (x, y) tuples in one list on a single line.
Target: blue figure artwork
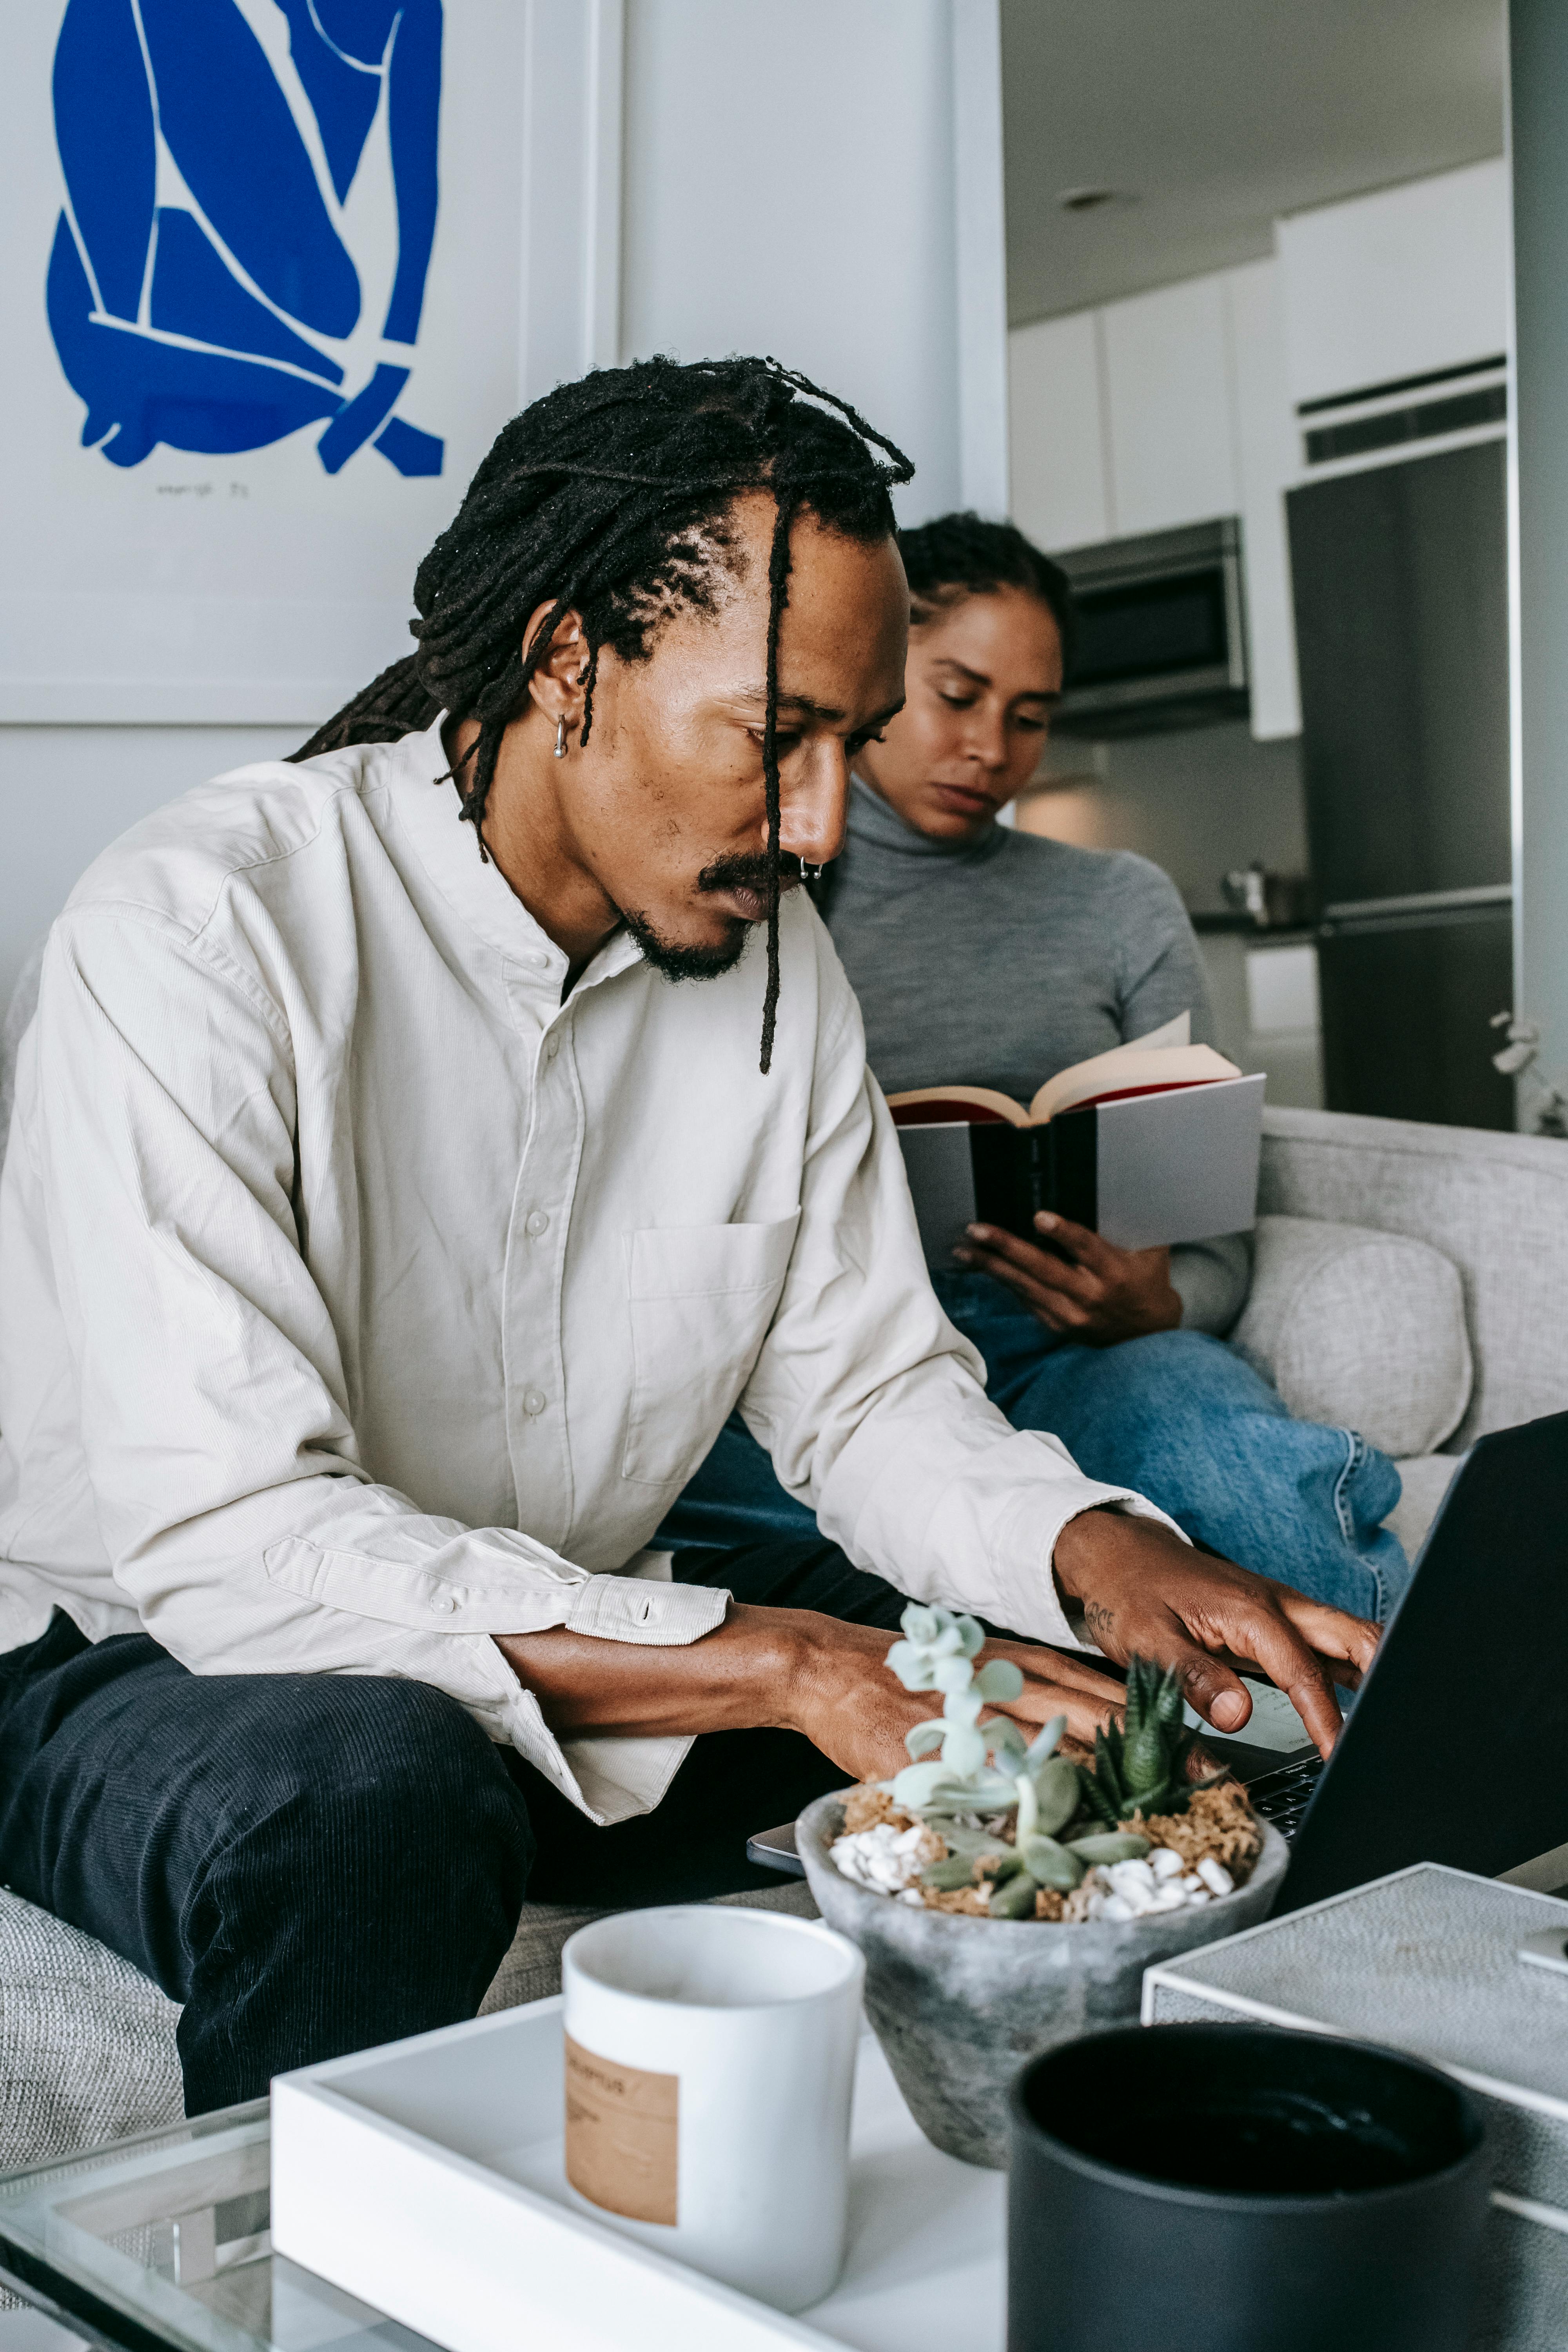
[(202, 290)]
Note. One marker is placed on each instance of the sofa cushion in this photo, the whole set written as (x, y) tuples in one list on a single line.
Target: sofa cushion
[(1362, 1329), (87, 2043), (1497, 1205), (1422, 1483)]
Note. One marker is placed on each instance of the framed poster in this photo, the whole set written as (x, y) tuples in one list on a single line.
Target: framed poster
[(261, 283)]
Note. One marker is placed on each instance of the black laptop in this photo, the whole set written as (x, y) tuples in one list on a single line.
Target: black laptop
[(1456, 1747)]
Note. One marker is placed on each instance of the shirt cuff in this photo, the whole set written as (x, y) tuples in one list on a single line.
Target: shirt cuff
[(641, 1609)]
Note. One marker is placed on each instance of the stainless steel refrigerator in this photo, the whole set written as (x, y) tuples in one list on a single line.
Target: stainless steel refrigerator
[(1401, 593)]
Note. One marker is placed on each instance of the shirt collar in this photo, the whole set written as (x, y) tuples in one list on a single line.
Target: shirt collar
[(875, 827), (426, 804)]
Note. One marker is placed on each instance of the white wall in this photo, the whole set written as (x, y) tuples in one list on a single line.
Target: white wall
[(68, 791), (801, 180), (1538, 530)]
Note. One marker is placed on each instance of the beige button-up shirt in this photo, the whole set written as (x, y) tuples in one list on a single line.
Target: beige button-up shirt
[(363, 1298)]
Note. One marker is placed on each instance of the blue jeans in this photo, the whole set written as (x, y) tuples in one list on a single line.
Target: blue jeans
[(1178, 1416)]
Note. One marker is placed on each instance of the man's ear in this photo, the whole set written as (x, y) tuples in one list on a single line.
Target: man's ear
[(556, 686)]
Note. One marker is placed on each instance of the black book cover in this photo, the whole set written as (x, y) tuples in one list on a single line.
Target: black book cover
[(1019, 1170)]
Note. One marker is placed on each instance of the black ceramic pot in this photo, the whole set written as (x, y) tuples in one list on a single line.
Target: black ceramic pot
[(1240, 2188)]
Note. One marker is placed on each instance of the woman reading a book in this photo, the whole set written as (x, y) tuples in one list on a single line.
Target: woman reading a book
[(991, 957)]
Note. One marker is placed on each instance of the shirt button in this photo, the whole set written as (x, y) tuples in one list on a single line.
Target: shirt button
[(533, 1400), (539, 958), (538, 1223), (445, 1602), (552, 1047)]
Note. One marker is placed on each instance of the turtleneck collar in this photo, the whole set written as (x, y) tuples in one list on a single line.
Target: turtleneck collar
[(875, 826)]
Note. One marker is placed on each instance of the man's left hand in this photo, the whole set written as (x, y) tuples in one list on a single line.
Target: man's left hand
[(1144, 1591), (1075, 1283)]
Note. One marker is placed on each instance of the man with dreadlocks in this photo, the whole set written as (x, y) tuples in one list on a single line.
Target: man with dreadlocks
[(384, 1242)]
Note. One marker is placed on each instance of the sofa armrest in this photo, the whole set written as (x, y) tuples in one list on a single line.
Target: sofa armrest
[(1495, 1205), (1362, 1329)]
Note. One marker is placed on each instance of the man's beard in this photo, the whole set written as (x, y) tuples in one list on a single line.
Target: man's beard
[(679, 962)]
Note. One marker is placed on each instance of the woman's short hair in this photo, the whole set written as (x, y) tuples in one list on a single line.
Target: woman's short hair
[(961, 555)]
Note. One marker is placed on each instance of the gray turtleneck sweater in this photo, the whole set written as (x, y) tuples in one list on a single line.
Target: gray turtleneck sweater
[(998, 963)]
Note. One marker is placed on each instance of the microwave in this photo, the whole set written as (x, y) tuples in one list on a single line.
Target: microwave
[(1160, 640)]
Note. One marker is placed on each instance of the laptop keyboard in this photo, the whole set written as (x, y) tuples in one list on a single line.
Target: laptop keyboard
[(1282, 1797)]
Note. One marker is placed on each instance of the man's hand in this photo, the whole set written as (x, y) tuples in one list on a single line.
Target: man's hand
[(847, 1703), (791, 1668), (1144, 1589), (1082, 1286)]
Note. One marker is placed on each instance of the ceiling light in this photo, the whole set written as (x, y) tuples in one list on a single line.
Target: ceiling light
[(1086, 200)]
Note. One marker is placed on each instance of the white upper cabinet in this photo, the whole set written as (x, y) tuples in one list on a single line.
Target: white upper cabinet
[(1168, 409), (1170, 405), (1061, 491), (1265, 460), (1403, 283)]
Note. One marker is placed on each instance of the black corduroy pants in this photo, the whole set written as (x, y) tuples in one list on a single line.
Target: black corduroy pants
[(314, 1863)]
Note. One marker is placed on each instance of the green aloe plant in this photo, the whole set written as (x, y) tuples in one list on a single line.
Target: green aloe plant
[(1141, 1767)]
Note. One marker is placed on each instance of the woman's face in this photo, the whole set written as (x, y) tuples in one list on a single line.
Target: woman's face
[(979, 681)]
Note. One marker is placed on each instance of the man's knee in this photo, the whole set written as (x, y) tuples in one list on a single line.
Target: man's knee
[(349, 1769)]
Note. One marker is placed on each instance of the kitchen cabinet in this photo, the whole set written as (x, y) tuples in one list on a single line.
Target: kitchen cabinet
[(1404, 283), (1061, 491), (1166, 409), (1265, 458), (1170, 407)]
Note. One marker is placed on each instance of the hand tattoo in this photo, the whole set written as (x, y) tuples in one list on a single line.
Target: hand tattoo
[(1101, 1622)]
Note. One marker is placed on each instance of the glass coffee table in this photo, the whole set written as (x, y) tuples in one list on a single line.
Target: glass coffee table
[(162, 2241)]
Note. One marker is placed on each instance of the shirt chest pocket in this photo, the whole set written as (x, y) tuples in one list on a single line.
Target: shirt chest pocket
[(702, 1298)]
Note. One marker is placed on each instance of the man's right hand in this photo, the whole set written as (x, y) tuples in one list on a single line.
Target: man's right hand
[(791, 1669), (847, 1703)]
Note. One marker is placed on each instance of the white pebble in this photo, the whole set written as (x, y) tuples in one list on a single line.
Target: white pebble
[(1166, 1862), (1134, 1881), (1116, 1910), (1097, 1905), (1170, 1898), (1216, 1877), (912, 1894), (883, 1859), (1193, 1882), (1195, 1902)]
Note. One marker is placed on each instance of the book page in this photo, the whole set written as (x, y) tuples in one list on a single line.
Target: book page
[(930, 1106), (1126, 1068)]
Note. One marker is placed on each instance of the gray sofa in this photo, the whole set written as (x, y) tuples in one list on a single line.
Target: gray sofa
[(1411, 1282)]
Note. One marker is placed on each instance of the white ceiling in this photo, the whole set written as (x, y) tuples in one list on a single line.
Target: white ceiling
[(1212, 116)]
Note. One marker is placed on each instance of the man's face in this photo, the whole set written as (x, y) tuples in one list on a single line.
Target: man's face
[(666, 805)]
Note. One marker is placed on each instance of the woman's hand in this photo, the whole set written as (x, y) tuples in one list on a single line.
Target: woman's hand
[(1085, 1288)]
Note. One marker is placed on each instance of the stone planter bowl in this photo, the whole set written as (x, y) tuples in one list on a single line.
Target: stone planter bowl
[(960, 2004)]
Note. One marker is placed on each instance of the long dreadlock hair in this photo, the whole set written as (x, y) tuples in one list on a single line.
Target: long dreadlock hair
[(609, 498)]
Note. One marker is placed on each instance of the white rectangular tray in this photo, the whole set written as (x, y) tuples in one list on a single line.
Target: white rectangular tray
[(426, 2178)]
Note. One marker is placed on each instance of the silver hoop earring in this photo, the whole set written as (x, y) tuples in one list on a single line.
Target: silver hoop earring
[(810, 873), (560, 737)]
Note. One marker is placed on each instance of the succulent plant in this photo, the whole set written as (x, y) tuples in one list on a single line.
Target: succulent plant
[(986, 1768), (1141, 1767)]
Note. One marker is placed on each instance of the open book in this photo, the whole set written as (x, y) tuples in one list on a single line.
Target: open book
[(1156, 1142)]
